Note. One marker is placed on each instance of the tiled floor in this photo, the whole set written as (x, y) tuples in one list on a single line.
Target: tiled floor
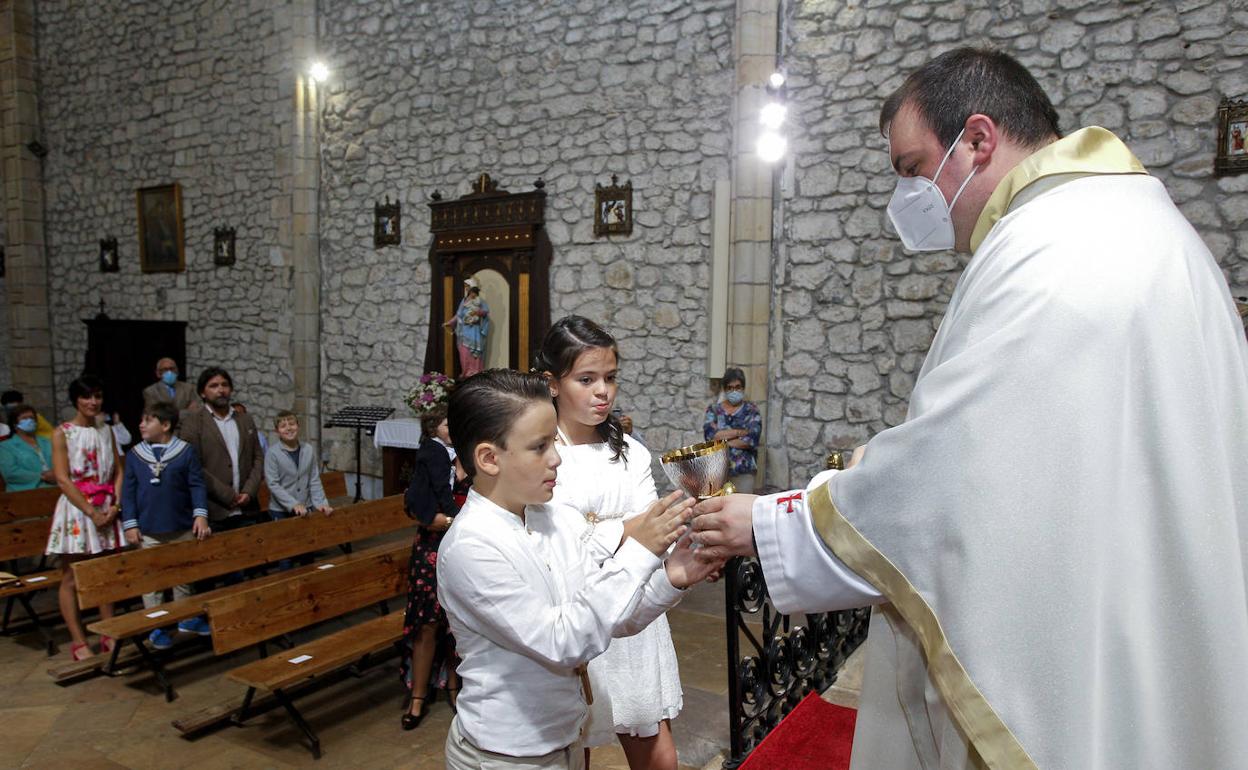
[(125, 723)]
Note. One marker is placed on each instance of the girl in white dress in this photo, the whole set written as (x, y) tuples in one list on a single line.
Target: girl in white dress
[(85, 523), (606, 476)]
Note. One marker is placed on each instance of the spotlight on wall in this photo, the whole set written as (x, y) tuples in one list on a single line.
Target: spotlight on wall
[(771, 147), (776, 80), (319, 72), (772, 115)]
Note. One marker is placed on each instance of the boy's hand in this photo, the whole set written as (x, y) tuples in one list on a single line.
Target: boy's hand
[(200, 528), (325, 509), (662, 523), (300, 509), (241, 500), (684, 569), (133, 535)]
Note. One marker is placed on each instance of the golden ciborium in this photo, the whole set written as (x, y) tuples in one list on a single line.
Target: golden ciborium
[(700, 470)]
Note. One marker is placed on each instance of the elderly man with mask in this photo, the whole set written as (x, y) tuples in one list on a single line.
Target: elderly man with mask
[(168, 387), (1053, 540)]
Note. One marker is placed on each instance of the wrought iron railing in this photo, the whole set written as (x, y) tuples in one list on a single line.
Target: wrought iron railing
[(786, 656)]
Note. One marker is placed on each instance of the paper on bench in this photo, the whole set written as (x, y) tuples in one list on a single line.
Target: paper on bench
[(327, 566), (301, 659), (157, 613), (39, 579)]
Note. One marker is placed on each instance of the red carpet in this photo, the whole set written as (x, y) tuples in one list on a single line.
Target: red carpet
[(814, 736)]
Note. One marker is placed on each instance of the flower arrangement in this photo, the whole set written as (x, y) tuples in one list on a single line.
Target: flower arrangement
[(430, 393)]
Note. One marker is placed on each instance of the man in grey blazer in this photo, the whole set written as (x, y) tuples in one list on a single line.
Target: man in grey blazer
[(168, 388), (229, 448)]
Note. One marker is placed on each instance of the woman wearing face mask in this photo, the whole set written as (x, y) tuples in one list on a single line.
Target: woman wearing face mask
[(25, 459), (737, 421)]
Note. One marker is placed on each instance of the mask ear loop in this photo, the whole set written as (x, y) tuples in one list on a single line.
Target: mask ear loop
[(948, 153)]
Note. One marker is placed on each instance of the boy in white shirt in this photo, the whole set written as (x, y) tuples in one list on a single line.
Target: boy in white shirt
[(528, 608)]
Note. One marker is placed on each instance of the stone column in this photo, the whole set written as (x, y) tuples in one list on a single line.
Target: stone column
[(30, 337), (749, 293), (305, 223)]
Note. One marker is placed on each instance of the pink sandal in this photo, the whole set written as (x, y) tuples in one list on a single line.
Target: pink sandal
[(80, 651)]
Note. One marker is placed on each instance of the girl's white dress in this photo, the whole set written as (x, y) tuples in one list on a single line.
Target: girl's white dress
[(639, 673)]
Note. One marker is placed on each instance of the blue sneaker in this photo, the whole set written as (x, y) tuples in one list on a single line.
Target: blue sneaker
[(160, 639), (197, 626)]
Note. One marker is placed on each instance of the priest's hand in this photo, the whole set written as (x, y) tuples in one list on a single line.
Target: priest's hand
[(724, 526)]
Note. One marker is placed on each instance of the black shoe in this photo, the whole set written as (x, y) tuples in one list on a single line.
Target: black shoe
[(411, 721)]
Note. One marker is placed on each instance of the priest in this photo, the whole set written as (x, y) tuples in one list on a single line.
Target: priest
[(1054, 540)]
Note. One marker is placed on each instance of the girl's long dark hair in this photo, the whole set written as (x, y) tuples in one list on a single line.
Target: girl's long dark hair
[(567, 339)]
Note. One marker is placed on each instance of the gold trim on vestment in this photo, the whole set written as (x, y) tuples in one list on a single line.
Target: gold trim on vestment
[(984, 729), (1091, 150)]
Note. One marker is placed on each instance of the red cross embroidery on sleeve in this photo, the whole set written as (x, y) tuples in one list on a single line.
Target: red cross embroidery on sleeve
[(796, 497)]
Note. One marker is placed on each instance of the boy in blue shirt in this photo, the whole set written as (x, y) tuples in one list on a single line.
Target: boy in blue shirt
[(164, 500)]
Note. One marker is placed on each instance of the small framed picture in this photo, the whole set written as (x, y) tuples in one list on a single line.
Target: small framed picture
[(613, 208), (387, 224), (109, 262), (223, 246), (1232, 157), (160, 229)]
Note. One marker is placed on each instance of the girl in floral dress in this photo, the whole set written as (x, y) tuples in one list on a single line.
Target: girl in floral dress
[(85, 523)]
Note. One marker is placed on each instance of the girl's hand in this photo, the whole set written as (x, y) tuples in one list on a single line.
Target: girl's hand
[(662, 523), (684, 570)]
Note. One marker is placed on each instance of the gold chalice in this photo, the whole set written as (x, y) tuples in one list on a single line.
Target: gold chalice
[(701, 470)]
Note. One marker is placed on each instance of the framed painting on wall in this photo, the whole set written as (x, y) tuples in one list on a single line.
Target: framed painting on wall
[(1232, 155), (160, 229)]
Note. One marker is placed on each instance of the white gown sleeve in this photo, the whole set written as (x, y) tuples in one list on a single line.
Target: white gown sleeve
[(802, 574)]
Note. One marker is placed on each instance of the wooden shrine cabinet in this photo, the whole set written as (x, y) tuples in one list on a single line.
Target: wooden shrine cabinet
[(499, 238)]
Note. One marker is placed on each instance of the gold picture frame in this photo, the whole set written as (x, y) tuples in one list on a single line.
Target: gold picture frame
[(161, 244), (613, 208), (1232, 155)]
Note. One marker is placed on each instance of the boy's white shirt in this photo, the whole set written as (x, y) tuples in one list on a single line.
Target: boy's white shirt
[(527, 606)]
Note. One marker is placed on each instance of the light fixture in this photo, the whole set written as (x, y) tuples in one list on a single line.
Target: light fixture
[(771, 147), (319, 72), (772, 115), (776, 80)]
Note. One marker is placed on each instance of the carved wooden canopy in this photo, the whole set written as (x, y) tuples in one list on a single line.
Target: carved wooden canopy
[(490, 229)]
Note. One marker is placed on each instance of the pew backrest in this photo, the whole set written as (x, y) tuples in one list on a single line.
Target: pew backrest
[(23, 538), (248, 617), (134, 572), (31, 504)]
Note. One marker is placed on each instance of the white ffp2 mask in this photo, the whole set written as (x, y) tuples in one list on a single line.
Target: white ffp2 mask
[(919, 212)]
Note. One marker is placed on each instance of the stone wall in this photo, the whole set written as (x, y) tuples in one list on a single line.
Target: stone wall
[(137, 94), (1152, 72), (570, 93), (5, 374)]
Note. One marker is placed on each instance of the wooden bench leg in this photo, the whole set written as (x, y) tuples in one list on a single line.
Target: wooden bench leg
[(298, 720), (110, 668), (43, 629), (158, 670), (8, 613), (242, 714)]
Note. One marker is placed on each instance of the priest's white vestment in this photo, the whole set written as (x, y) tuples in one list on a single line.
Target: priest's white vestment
[(1055, 536)]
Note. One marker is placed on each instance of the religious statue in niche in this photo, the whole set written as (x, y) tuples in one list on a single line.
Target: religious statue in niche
[(1232, 155), (223, 246), (471, 323), (109, 262), (387, 224), (613, 208)]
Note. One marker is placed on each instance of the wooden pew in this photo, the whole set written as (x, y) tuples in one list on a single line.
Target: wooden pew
[(39, 503), (257, 615), (151, 569), (334, 482), (22, 538)]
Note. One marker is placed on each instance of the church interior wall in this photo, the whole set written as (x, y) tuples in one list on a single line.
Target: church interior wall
[(570, 93), (145, 93), (1151, 72)]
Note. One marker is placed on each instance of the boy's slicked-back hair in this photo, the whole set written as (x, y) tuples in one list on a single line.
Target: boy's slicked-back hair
[(965, 81), (566, 340), (282, 415), (484, 407), (163, 411)]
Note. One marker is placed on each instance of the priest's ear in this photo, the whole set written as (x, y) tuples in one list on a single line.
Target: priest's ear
[(982, 133)]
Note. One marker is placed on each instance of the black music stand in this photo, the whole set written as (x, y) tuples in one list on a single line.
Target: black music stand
[(363, 419)]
